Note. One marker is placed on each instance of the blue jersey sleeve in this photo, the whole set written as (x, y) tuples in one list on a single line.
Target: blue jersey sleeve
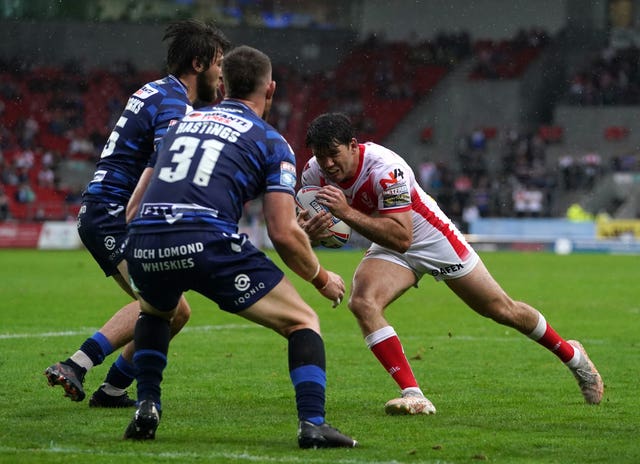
[(281, 165), (145, 119)]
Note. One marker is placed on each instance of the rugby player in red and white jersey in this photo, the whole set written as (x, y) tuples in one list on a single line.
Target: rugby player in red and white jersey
[(374, 190)]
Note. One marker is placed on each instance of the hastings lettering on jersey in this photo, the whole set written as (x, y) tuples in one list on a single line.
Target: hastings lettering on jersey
[(208, 128)]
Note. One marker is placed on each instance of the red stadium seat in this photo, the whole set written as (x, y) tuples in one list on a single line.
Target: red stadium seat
[(490, 132), (551, 134), (426, 135), (615, 133)]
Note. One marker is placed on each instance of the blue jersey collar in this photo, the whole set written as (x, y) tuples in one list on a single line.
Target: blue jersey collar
[(179, 82)]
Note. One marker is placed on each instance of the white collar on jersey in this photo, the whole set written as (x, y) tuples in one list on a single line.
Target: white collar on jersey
[(171, 76)]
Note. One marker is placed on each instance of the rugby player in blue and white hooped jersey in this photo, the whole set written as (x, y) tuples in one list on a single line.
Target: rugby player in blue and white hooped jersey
[(185, 237), (194, 58)]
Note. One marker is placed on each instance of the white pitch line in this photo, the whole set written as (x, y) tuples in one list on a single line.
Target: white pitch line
[(212, 328), (472, 338), (304, 457), (88, 331)]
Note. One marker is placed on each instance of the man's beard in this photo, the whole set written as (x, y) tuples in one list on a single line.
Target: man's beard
[(205, 92)]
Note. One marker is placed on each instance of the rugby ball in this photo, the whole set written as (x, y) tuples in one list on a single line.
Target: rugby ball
[(340, 231)]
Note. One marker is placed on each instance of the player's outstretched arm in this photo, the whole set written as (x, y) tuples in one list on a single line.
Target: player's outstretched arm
[(293, 246)]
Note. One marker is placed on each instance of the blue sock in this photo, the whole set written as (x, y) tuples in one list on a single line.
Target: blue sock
[(97, 347), (151, 365), (309, 383), (121, 374), (151, 337), (307, 372)]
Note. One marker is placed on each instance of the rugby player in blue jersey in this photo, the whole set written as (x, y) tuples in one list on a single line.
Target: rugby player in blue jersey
[(185, 237), (194, 57)]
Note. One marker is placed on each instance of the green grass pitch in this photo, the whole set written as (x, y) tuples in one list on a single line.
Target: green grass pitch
[(227, 396)]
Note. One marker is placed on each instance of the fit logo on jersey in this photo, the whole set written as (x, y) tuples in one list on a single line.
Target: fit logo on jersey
[(172, 212), (394, 177), (145, 91)]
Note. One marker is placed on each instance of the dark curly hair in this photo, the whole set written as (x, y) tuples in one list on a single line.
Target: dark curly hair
[(329, 130), (189, 39)]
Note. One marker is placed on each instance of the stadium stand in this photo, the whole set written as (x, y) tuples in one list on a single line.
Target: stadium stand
[(67, 111), (378, 83), (507, 58)]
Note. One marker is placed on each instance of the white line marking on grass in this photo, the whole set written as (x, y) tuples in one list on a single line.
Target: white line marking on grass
[(214, 328), (304, 457), (85, 331), (515, 337)]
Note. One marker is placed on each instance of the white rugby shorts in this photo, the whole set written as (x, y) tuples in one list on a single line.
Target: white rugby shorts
[(435, 258)]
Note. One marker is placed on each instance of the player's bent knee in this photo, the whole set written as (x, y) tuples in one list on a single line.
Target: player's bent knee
[(504, 313), (147, 308), (304, 320), (183, 310), (168, 315), (178, 321), (362, 307)]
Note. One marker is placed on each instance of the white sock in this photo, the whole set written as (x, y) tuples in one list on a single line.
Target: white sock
[(541, 328), (82, 360), (412, 391), (111, 390), (576, 360), (379, 335)]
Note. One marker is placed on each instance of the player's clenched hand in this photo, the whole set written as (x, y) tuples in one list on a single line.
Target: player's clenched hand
[(334, 289), (316, 227), (334, 199), (302, 218)]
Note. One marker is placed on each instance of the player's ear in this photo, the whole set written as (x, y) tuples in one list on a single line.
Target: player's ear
[(197, 65), (271, 89)]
